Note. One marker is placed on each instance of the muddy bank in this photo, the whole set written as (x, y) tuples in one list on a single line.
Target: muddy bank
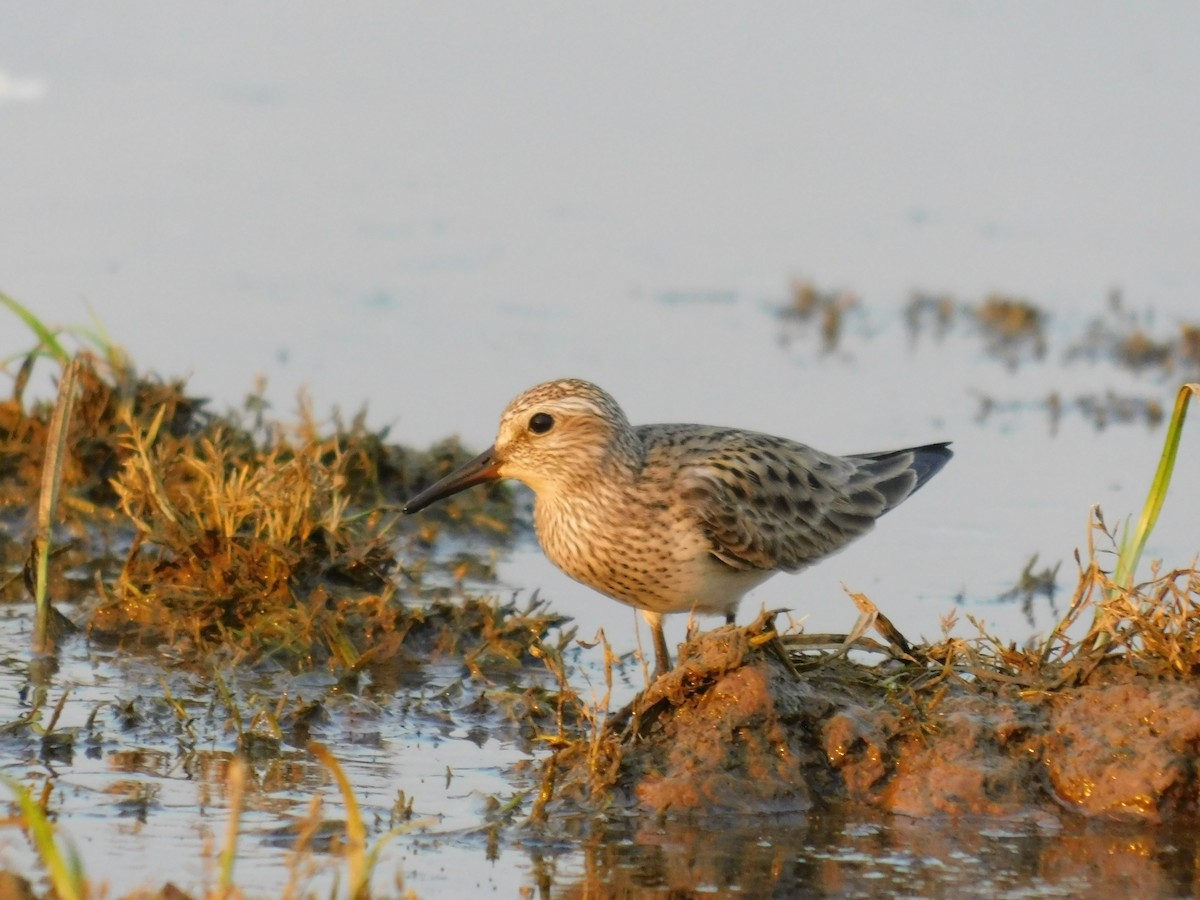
[(735, 728)]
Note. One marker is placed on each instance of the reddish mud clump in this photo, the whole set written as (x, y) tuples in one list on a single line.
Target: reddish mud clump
[(733, 728), (1127, 749), (970, 756), (719, 737)]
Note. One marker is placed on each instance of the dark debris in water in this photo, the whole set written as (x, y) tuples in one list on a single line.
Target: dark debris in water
[(1018, 332), (1099, 410), (1031, 586), (810, 306)]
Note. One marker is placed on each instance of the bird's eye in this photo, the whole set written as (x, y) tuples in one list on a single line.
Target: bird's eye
[(540, 423)]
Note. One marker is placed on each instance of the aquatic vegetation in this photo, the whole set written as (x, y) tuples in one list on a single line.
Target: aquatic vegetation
[(252, 548), (217, 533), (1129, 339), (809, 304), (1014, 330), (59, 858), (1012, 327), (1134, 542), (1017, 332), (360, 858), (1030, 585)]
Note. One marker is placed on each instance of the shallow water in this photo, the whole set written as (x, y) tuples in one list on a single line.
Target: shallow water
[(143, 799), (428, 210), (143, 795)]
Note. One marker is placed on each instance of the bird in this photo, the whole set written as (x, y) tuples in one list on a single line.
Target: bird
[(680, 518)]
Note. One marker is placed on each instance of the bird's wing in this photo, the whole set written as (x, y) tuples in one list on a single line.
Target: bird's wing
[(770, 503)]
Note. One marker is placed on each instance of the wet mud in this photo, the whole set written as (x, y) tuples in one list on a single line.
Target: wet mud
[(735, 729)]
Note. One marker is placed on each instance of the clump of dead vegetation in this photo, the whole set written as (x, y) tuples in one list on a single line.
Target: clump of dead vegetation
[(234, 535), (1017, 332), (809, 304), (248, 545), (1013, 329)]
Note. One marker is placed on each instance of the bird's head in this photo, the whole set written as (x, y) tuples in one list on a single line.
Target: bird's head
[(551, 436)]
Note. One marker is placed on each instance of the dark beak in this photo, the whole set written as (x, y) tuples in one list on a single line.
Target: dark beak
[(484, 467)]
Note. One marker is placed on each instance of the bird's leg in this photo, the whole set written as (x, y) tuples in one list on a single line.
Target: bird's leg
[(662, 657), (730, 618)]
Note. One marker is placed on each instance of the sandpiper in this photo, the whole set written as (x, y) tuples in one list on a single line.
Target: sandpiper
[(680, 518)]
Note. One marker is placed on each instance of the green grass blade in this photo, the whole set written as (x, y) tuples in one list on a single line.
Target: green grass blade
[(45, 336), (65, 869), (1131, 550)]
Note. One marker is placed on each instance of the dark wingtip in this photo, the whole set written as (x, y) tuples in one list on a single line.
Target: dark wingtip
[(898, 474), (929, 460)]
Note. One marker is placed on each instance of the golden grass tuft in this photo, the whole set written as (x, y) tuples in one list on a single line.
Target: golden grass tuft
[(237, 545), (232, 534)]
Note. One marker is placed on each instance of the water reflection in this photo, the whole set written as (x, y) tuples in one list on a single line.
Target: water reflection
[(859, 854)]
